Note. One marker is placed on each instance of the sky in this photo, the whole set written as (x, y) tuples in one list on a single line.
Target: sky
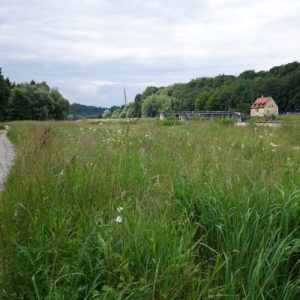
[(91, 49)]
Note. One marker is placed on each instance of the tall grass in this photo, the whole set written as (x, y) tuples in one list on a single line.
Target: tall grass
[(143, 211)]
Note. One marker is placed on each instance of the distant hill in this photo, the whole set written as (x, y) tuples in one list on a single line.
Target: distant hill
[(85, 111)]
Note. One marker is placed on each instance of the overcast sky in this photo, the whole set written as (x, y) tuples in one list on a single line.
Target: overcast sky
[(90, 49)]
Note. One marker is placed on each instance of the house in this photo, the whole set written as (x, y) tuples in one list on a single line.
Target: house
[(264, 106)]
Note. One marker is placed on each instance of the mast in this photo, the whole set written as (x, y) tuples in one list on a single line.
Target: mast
[(125, 98)]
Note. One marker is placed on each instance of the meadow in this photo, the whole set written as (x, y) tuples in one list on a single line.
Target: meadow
[(151, 210)]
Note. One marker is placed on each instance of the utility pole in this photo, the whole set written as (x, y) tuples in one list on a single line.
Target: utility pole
[(125, 98)]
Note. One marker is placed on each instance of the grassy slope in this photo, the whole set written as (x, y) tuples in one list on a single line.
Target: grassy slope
[(209, 211)]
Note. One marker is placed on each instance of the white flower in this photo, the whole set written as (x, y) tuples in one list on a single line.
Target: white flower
[(296, 148), (119, 209), (119, 219), (61, 173), (242, 146), (273, 145), (260, 136), (273, 150)]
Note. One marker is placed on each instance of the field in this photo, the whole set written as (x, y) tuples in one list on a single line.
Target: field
[(151, 210)]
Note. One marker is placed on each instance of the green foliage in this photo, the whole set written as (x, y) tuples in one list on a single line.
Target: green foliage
[(106, 114), (80, 111), (155, 104), (122, 114), (20, 104), (4, 96), (232, 93), (206, 211), (116, 113), (33, 101), (168, 122), (202, 99), (225, 121), (263, 119)]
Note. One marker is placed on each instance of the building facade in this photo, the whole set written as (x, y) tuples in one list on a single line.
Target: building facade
[(264, 106)]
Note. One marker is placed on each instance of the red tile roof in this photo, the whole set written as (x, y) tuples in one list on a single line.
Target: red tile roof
[(261, 102)]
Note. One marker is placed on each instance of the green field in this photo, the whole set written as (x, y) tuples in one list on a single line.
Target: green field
[(151, 210)]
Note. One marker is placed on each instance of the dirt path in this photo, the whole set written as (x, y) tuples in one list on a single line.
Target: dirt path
[(6, 157)]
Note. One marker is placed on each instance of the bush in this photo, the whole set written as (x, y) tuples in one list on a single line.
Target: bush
[(168, 122), (227, 121)]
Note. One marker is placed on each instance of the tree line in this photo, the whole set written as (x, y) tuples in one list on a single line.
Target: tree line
[(223, 92), (80, 111), (31, 101)]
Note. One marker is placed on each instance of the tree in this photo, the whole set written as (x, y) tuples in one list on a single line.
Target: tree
[(202, 99), (155, 104), (4, 96), (149, 91), (138, 105), (225, 92), (106, 114), (20, 105), (116, 113), (61, 106)]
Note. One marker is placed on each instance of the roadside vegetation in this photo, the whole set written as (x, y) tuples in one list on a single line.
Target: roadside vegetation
[(31, 101), (118, 210)]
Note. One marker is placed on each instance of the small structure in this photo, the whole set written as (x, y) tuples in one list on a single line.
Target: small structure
[(264, 106), (207, 115)]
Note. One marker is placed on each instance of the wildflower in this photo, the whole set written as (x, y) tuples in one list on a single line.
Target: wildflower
[(260, 136), (296, 148), (119, 219), (273, 145), (242, 146), (61, 173), (119, 209)]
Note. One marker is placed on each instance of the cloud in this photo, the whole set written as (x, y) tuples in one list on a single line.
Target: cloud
[(91, 49)]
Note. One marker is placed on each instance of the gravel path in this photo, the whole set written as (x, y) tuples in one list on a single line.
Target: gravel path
[(6, 157)]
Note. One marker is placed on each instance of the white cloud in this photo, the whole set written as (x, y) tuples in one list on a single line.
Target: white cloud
[(104, 44)]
